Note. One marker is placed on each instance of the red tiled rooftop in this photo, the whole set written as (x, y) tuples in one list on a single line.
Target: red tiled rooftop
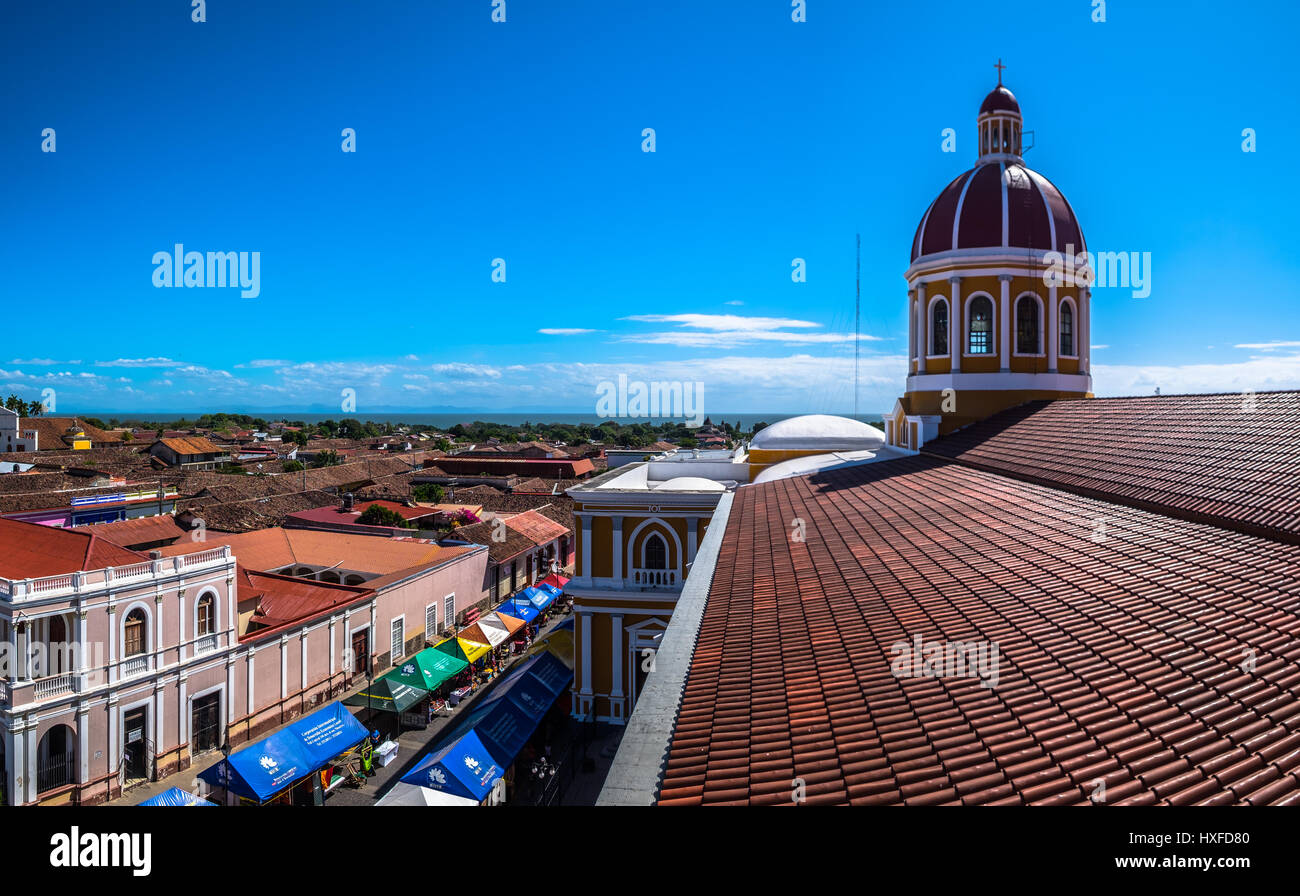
[(141, 530), (535, 526), (1120, 654), (1230, 459), (30, 551)]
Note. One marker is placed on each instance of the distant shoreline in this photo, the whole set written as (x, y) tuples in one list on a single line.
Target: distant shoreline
[(446, 420)]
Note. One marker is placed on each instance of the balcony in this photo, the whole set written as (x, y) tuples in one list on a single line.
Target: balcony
[(19, 590), (655, 579), (55, 685), (135, 665)]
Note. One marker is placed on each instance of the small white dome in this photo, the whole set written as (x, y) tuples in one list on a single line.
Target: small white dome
[(690, 484), (818, 432)]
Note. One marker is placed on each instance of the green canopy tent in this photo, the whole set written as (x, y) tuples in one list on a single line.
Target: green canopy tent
[(388, 694), (427, 669)]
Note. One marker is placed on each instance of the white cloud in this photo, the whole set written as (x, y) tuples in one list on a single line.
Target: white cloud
[(140, 362), (1267, 346), (724, 321), (470, 370), (1262, 374), (732, 330)]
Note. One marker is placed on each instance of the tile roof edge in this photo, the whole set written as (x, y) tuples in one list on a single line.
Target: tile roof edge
[(1110, 497), (637, 772)]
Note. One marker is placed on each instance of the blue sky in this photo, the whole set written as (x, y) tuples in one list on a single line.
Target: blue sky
[(522, 140)]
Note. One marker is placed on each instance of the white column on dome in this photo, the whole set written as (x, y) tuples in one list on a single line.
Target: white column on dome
[(911, 329), (955, 315), (1004, 322), (1084, 334), (1053, 334), (923, 322)]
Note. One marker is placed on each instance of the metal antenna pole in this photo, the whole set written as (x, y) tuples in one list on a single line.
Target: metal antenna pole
[(857, 318)]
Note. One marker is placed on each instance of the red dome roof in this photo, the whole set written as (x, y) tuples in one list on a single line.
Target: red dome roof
[(970, 213), (1000, 100)]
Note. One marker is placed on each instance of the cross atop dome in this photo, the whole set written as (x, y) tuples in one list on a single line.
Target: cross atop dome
[(999, 67)]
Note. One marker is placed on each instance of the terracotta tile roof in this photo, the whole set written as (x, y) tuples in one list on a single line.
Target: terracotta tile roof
[(1207, 457), (282, 600), (31, 551), (253, 513), (272, 549), (536, 526), (52, 432), (142, 530), (515, 542), (1120, 654), (191, 445)]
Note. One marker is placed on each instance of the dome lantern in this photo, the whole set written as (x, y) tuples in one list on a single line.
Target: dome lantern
[(1000, 124)]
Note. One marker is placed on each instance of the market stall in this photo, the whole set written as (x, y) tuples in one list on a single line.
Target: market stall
[(177, 797), (464, 768), (282, 768)]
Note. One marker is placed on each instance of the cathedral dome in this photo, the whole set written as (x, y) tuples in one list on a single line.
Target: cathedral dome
[(999, 204), (690, 484), (820, 432)]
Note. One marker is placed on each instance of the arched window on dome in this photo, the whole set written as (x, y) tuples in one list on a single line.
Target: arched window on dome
[(939, 327), (1067, 329), (981, 326), (1027, 327)]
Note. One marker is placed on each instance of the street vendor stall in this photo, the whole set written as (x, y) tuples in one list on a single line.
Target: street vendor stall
[(464, 768), (272, 767), (520, 608), (174, 796)]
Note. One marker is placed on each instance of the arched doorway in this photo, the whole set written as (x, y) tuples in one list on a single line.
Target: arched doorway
[(56, 759)]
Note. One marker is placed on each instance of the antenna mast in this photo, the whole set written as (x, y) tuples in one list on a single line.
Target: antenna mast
[(857, 317)]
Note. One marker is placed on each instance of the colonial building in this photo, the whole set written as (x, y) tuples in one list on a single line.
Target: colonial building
[(120, 667), (992, 323), (13, 435), (640, 526)]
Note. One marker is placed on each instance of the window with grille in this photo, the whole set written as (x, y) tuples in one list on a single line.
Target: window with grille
[(1027, 326), (981, 326), (1067, 330), (449, 610), (430, 622), (939, 328), (398, 647)]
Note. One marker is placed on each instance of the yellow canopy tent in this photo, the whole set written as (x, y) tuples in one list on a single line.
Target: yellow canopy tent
[(469, 651)]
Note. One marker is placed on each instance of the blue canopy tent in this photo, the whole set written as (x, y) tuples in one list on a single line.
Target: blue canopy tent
[(538, 598), (463, 768), (176, 797), (519, 608), (549, 589), (260, 771), (517, 705)]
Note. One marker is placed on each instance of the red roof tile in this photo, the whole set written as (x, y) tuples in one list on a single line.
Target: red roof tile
[(31, 551), (1228, 459), (1120, 655)]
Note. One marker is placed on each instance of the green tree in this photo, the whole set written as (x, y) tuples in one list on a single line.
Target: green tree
[(429, 493), (327, 458), (379, 515)]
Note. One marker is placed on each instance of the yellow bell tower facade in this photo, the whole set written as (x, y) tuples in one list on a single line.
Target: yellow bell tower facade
[(993, 322)]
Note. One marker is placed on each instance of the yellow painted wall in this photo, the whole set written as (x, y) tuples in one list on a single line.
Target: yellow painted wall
[(602, 538)]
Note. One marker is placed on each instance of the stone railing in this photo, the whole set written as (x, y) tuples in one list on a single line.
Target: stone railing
[(655, 579), (19, 590)]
